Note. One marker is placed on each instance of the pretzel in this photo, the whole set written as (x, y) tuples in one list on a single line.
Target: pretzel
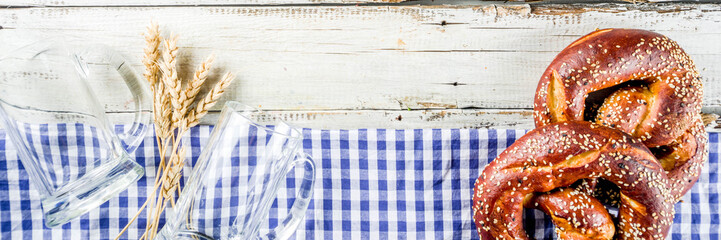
[(556, 156), (588, 222), (657, 95)]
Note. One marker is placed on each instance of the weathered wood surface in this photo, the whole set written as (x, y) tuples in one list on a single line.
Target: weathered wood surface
[(361, 66), (66, 3), (72, 3)]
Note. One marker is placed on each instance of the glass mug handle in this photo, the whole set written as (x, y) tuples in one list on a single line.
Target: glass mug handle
[(131, 138), (287, 227)]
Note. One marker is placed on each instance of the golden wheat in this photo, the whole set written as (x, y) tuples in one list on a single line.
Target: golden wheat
[(209, 100), (170, 76), (193, 88), (172, 179), (172, 110), (201, 74), (152, 54)]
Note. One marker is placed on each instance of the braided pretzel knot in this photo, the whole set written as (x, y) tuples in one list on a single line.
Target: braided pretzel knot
[(665, 113), (560, 154)]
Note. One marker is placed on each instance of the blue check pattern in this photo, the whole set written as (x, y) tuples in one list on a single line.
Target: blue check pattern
[(371, 184)]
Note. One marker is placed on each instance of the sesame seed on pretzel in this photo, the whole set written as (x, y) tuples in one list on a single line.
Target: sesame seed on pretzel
[(656, 95), (557, 155)]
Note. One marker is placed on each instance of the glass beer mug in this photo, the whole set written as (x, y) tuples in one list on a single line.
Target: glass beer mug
[(235, 181), (73, 157)]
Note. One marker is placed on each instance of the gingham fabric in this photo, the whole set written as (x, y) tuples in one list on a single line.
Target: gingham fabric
[(371, 184), (63, 155)]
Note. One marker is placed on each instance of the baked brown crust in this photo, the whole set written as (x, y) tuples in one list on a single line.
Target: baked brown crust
[(609, 57), (558, 155), (685, 159), (577, 215), (664, 113)]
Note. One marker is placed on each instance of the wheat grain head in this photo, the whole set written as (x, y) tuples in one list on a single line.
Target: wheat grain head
[(172, 179), (152, 54), (170, 77), (209, 100)]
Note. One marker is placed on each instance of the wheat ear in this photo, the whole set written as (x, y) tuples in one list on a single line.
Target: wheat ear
[(201, 74), (161, 114), (209, 100), (152, 54), (170, 77), (171, 180)]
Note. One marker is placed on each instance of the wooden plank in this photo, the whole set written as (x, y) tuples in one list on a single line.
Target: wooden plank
[(577, 8), (389, 58), (66, 3)]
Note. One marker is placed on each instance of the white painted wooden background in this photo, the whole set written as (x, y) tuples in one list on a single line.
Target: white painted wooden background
[(347, 64)]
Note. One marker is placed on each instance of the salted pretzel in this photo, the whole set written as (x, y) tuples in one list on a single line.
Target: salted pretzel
[(656, 95), (557, 155), (591, 221)]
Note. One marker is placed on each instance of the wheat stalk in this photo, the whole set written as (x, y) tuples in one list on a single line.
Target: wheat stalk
[(171, 110)]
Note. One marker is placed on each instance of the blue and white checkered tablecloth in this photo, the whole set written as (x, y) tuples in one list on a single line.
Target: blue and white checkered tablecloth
[(371, 184)]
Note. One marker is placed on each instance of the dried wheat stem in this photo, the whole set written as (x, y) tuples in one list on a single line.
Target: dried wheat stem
[(209, 100), (154, 213), (170, 176), (163, 129), (173, 116), (161, 113), (132, 220), (170, 180), (162, 171), (160, 107), (154, 229)]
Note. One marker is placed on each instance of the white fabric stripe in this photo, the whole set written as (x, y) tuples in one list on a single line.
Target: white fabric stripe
[(72, 151), (35, 137), (316, 153), (391, 180), (427, 218), (464, 171), (56, 165), (373, 188), (447, 191), (354, 177), (13, 189), (337, 175), (411, 217)]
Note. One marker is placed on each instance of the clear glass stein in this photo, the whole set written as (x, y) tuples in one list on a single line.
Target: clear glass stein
[(64, 140), (236, 179)]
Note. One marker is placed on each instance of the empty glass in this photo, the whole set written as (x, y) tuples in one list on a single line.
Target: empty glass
[(72, 155), (235, 181)]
